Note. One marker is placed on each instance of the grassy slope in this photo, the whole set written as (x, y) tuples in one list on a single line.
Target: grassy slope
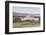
[(25, 24)]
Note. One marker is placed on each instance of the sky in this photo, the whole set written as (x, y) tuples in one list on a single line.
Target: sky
[(30, 10)]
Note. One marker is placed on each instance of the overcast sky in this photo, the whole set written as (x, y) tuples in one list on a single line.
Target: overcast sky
[(30, 10)]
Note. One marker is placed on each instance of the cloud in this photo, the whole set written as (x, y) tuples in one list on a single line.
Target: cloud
[(33, 10)]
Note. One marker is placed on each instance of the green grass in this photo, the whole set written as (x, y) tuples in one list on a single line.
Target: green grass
[(25, 24)]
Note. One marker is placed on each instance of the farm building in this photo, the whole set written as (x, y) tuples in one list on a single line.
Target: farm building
[(23, 16)]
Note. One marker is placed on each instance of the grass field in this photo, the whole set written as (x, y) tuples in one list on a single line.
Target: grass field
[(25, 24)]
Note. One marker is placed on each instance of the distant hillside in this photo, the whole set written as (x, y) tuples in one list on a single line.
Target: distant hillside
[(24, 14)]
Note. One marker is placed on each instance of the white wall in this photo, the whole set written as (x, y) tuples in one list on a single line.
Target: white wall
[(2, 16)]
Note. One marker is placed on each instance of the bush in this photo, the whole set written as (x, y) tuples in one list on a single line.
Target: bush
[(17, 20)]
